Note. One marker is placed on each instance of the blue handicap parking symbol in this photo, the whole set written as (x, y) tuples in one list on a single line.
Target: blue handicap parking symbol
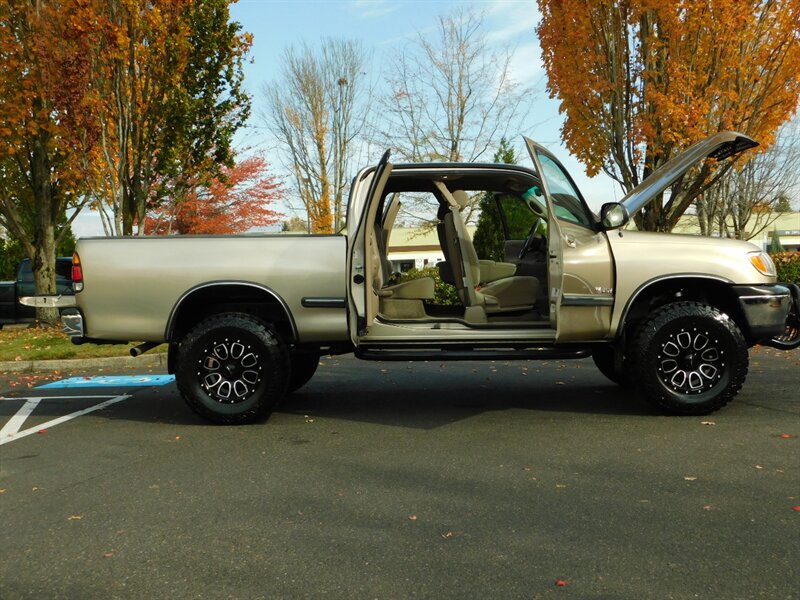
[(110, 381)]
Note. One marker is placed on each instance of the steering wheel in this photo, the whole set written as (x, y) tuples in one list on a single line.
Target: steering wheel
[(533, 236)]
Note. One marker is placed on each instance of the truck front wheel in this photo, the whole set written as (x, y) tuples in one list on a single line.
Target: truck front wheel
[(689, 358), (232, 369)]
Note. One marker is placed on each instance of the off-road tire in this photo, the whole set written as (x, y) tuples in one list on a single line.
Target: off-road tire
[(304, 365), (688, 358), (232, 369)]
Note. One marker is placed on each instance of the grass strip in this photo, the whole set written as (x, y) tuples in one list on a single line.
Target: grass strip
[(50, 343)]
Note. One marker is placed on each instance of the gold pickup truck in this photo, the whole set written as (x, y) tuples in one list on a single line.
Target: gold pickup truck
[(247, 317)]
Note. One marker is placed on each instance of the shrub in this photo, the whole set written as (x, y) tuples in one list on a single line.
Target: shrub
[(788, 266), (443, 293)]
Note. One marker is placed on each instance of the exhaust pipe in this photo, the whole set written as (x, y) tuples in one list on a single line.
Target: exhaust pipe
[(142, 348)]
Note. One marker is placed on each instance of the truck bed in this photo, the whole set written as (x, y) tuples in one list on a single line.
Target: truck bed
[(133, 285)]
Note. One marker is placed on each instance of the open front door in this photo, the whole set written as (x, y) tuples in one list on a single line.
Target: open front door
[(580, 273), (364, 259)]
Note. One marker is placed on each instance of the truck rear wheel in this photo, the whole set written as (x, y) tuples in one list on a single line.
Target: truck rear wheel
[(689, 358), (232, 369)]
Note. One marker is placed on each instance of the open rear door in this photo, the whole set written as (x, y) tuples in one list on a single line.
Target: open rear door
[(364, 259)]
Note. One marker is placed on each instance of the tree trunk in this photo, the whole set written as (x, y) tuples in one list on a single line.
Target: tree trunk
[(44, 257)]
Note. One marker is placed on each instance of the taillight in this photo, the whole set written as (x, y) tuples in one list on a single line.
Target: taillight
[(77, 273)]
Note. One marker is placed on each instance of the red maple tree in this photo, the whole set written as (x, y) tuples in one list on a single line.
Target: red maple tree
[(235, 203)]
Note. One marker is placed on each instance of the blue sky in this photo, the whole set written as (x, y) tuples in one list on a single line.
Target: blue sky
[(384, 28)]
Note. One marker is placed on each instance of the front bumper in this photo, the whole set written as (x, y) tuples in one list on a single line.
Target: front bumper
[(789, 338), (770, 312)]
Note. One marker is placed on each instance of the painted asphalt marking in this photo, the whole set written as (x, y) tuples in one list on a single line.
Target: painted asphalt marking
[(110, 381), (11, 432), (15, 422)]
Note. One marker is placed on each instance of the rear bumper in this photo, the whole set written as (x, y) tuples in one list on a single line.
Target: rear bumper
[(766, 309), (62, 301), (72, 319)]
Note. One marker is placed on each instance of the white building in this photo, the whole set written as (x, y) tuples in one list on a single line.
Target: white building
[(415, 248), (786, 224)]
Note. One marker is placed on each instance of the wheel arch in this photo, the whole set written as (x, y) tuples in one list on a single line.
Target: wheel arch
[(216, 297), (708, 289)]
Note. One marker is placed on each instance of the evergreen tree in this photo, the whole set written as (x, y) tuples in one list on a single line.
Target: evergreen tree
[(489, 238), (775, 245)]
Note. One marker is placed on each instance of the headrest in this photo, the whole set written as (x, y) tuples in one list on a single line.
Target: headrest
[(461, 197)]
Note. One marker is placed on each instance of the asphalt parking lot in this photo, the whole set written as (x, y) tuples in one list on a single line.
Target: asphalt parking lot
[(398, 480)]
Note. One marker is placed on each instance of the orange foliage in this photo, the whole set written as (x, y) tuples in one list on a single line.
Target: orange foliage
[(639, 80), (234, 204), (50, 55)]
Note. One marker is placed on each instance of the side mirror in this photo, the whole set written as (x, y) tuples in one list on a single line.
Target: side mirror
[(613, 215)]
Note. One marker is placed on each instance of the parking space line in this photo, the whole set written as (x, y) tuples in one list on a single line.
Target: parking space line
[(10, 431), (15, 422)]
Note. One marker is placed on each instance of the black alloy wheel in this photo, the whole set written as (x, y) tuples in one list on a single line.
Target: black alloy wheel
[(232, 368), (689, 358)]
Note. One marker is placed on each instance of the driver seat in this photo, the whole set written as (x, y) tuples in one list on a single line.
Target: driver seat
[(486, 284)]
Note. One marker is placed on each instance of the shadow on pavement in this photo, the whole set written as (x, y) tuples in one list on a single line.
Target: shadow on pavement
[(416, 395)]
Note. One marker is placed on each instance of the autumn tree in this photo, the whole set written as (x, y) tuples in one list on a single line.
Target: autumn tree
[(50, 52), (451, 97), (317, 109), (236, 201), (640, 80), (173, 99)]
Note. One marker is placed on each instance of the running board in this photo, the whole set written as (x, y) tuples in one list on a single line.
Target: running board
[(546, 353)]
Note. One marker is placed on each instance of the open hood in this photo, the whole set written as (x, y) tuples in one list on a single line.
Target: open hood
[(718, 146)]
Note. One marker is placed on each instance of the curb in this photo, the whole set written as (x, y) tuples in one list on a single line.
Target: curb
[(76, 364)]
